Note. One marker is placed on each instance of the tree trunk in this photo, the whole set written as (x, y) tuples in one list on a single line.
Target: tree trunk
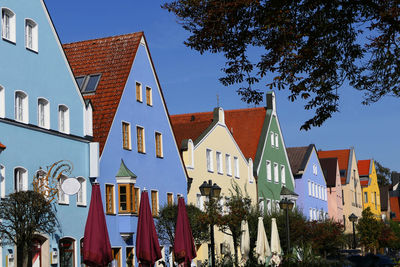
[(22, 256), (235, 248)]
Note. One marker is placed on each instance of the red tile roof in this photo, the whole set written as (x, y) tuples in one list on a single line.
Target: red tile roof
[(113, 58), (342, 156), (2, 146), (245, 125), (363, 167), (395, 207)]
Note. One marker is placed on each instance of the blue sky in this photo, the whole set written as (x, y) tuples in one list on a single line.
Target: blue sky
[(190, 80)]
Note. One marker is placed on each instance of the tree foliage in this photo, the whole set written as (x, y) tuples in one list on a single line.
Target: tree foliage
[(24, 214), (383, 174), (167, 221), (310, 47), (369, 230)]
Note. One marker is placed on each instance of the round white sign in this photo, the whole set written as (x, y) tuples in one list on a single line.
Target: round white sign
[(71, 186)]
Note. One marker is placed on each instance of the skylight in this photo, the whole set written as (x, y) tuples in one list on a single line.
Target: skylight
[(88, 83)]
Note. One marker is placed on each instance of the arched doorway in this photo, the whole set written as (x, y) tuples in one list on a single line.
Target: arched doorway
[(67, 252), (40, 251)]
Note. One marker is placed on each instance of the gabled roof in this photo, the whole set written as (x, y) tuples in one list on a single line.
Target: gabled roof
[(342, 156), (384, 195), (364, 167), (244, 124), (112, 57), (329, 166), (2, 146), (298, 158)]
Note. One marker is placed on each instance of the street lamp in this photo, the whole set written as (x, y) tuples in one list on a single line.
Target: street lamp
[(287, 205), (211, 190), (353, 218)]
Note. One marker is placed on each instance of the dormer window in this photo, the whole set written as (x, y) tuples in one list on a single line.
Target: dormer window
[(8, 25), (31, 35), (21, 107), (88, 84)]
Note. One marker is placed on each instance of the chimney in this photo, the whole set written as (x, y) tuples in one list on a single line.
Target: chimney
[(271, 101)]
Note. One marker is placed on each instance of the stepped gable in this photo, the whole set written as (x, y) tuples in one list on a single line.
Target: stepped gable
[(245, 125), (112, 57)]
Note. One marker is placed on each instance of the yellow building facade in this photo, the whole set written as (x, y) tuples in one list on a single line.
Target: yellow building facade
[(213, 154), (369, 183)]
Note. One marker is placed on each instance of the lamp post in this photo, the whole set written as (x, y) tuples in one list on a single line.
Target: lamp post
[(287, 205), (211, 190), (353, 218)]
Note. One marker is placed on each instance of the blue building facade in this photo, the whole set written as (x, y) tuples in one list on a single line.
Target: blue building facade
[(43, 119), (138, 148), (310, 182)]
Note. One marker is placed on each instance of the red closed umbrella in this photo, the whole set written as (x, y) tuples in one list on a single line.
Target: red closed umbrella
[(147, 247), (96, 243), (184, 248)]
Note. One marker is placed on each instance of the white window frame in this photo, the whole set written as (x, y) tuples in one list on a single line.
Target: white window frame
[(210, 163), (283, 174), (313, 188), (236, 167), (261, 205), (21, 107), (228, 164), (276, 140), (2, 102), (62, 197), (218, 156), (2, 181), (309, 188), (311, 214), (43, 114), (319, 192), (276, 173), (268, 170), (315, 169), (31, 41), (63, 119), (272, 139), (20, 179), (8, 31), (81, 195), (269, 205)]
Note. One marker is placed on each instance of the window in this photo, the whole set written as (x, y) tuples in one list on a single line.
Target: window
[(315, 214), (139, 92), (140, 139), (311, 214), (20, 180), (209, 160), (269, 177), (159, 147), (63, 119), (276, 140), (110, 199), (228, 164), (269, 206), (2, 181), (319, 192), (67, 252), (126, 136), (88, 84), (276, 174), (2, 102), (309, 187), (219, 162), (116, 255), (149, 97), (81, 195), (272, 139), (376, 204), (236, 163), (128, 198), (261, 205), (154, 203), (62, 197), (283, 174), (43, 113), (342, 198), (170, 199), (21, 107), (365, 197), (130, 257), (313, 189), (8, 23), (31, 35), (315, 169)]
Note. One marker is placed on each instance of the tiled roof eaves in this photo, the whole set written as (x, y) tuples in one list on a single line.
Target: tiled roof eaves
[(205, 132), (306, 157)]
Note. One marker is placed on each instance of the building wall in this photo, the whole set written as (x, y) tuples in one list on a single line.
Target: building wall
[(44, 73), (314, 206), (199, 172), (351, 203), (165, 175), (373, 200), (335, 202)]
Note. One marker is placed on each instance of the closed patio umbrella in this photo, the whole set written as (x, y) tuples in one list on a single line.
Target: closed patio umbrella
[(184, 248), (245, 241), (147, 247), (262, 247), (96, 243), (275, 243)]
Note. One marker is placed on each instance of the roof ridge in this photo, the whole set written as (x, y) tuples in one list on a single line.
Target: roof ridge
[(228, 110), (105, 38)]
